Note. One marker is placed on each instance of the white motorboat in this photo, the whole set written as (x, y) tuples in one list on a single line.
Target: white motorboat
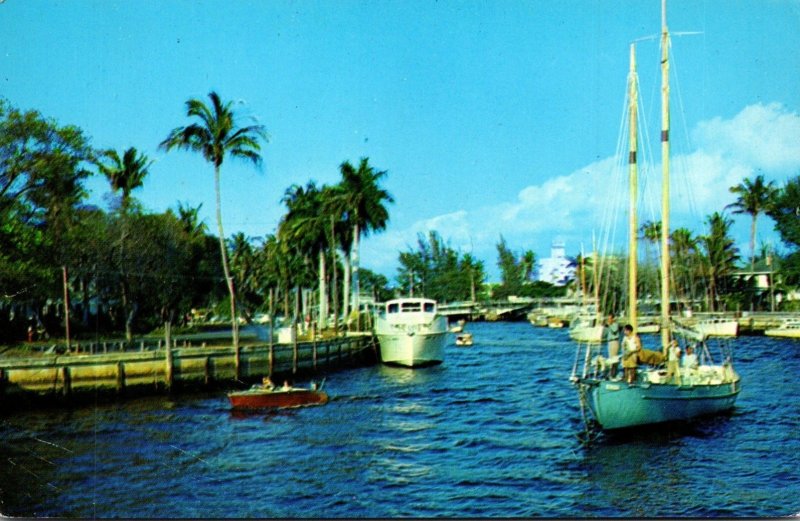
[(411, 332), (586, 328), (790, 328), (717, 326)]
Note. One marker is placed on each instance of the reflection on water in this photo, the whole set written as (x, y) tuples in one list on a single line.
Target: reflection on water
[(490, 433)]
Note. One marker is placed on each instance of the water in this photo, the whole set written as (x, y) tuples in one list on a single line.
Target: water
[(492, 432)]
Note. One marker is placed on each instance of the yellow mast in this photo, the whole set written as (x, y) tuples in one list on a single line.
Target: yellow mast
[(665, 282), (634, 189), (596, 280)]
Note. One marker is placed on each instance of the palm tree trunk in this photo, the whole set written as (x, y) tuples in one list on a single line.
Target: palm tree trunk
[(753, 259), (356, 286), (335, 289), (346, 290), (227, 271), (323, 292)]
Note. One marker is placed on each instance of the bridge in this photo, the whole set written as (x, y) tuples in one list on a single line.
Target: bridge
[(514, 308)]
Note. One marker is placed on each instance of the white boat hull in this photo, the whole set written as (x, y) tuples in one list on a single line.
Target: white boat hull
[(593, 334), (412, 350), (718, 327), (783, 332)]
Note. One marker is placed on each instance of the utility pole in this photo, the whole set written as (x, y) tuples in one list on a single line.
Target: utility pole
[(66, 305)]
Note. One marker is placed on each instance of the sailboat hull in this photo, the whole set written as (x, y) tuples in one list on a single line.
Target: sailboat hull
[(617, 405)]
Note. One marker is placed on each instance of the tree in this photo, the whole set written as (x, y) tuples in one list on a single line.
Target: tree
[(125, 174), (651, 233), (721, 256), (528, 262), (306, 225), (684, 251), (754, 198), (364, 201), (511, 271), (216, 135), (437, 271), (785, 211)]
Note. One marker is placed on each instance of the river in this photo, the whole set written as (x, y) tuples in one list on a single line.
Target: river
[(491, 432)]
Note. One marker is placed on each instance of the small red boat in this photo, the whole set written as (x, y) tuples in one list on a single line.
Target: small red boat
[(278, 397)]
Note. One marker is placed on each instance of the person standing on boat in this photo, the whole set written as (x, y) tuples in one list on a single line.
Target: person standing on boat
[(673, 357), (612, 338), (631, 345)]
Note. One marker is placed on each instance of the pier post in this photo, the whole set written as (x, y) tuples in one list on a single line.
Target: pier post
[(66, 379), (208, 370), (120, 377), (314, 344), (167, 333), (2, 382), (271, 358)]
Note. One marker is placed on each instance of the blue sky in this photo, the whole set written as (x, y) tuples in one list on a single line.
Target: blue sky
[(490, 117)]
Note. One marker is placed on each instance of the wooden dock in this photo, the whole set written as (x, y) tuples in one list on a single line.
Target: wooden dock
[(56, 378)]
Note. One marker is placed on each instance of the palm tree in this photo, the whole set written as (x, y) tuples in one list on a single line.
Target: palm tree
[(528, 264), (721, 254), (684, 253), (754, 198), (306, 225), (651, 233), (364, 200), (189, 218), (215, 135), (125, 174)]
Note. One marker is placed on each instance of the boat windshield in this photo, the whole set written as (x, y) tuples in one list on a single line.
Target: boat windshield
[(410, 307)]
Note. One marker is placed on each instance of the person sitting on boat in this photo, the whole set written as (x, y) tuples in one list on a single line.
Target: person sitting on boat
[(612, 337), (690, 360), (631, 345), (673, 358), (266, 383), (286, 385)]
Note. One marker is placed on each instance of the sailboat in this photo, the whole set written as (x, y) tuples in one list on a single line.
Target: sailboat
[(587, 325), (653, 397)]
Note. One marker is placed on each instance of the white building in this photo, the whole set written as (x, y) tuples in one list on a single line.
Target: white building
[(556, 269)]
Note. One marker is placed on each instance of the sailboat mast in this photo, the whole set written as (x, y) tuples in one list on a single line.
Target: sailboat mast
[(633, 176), (665, 267), (596, 280)]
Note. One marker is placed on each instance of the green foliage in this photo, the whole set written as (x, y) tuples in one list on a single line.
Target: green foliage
[(512, 272), (376, 283), (439, 272), (721, 256)]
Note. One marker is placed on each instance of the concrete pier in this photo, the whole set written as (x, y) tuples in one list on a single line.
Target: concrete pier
[(52, 377)]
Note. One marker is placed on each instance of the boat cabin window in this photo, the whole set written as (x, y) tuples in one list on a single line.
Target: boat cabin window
[(409, 307), (393, 308), (429, 307)]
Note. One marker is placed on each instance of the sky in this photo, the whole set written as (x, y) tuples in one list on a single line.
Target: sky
[(490, 117)]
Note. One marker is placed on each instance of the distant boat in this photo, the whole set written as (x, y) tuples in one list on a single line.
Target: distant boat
[(464, 339), (718, 326), (411, 332), (260, 397), (647, 326), (651, 397), (459, 327), (586, 328), (790, 328), (555, 322)]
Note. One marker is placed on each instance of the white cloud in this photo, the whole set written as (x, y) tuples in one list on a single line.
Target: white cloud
[(761, 139)]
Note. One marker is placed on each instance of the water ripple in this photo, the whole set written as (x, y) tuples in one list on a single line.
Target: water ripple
[(490, 433)]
